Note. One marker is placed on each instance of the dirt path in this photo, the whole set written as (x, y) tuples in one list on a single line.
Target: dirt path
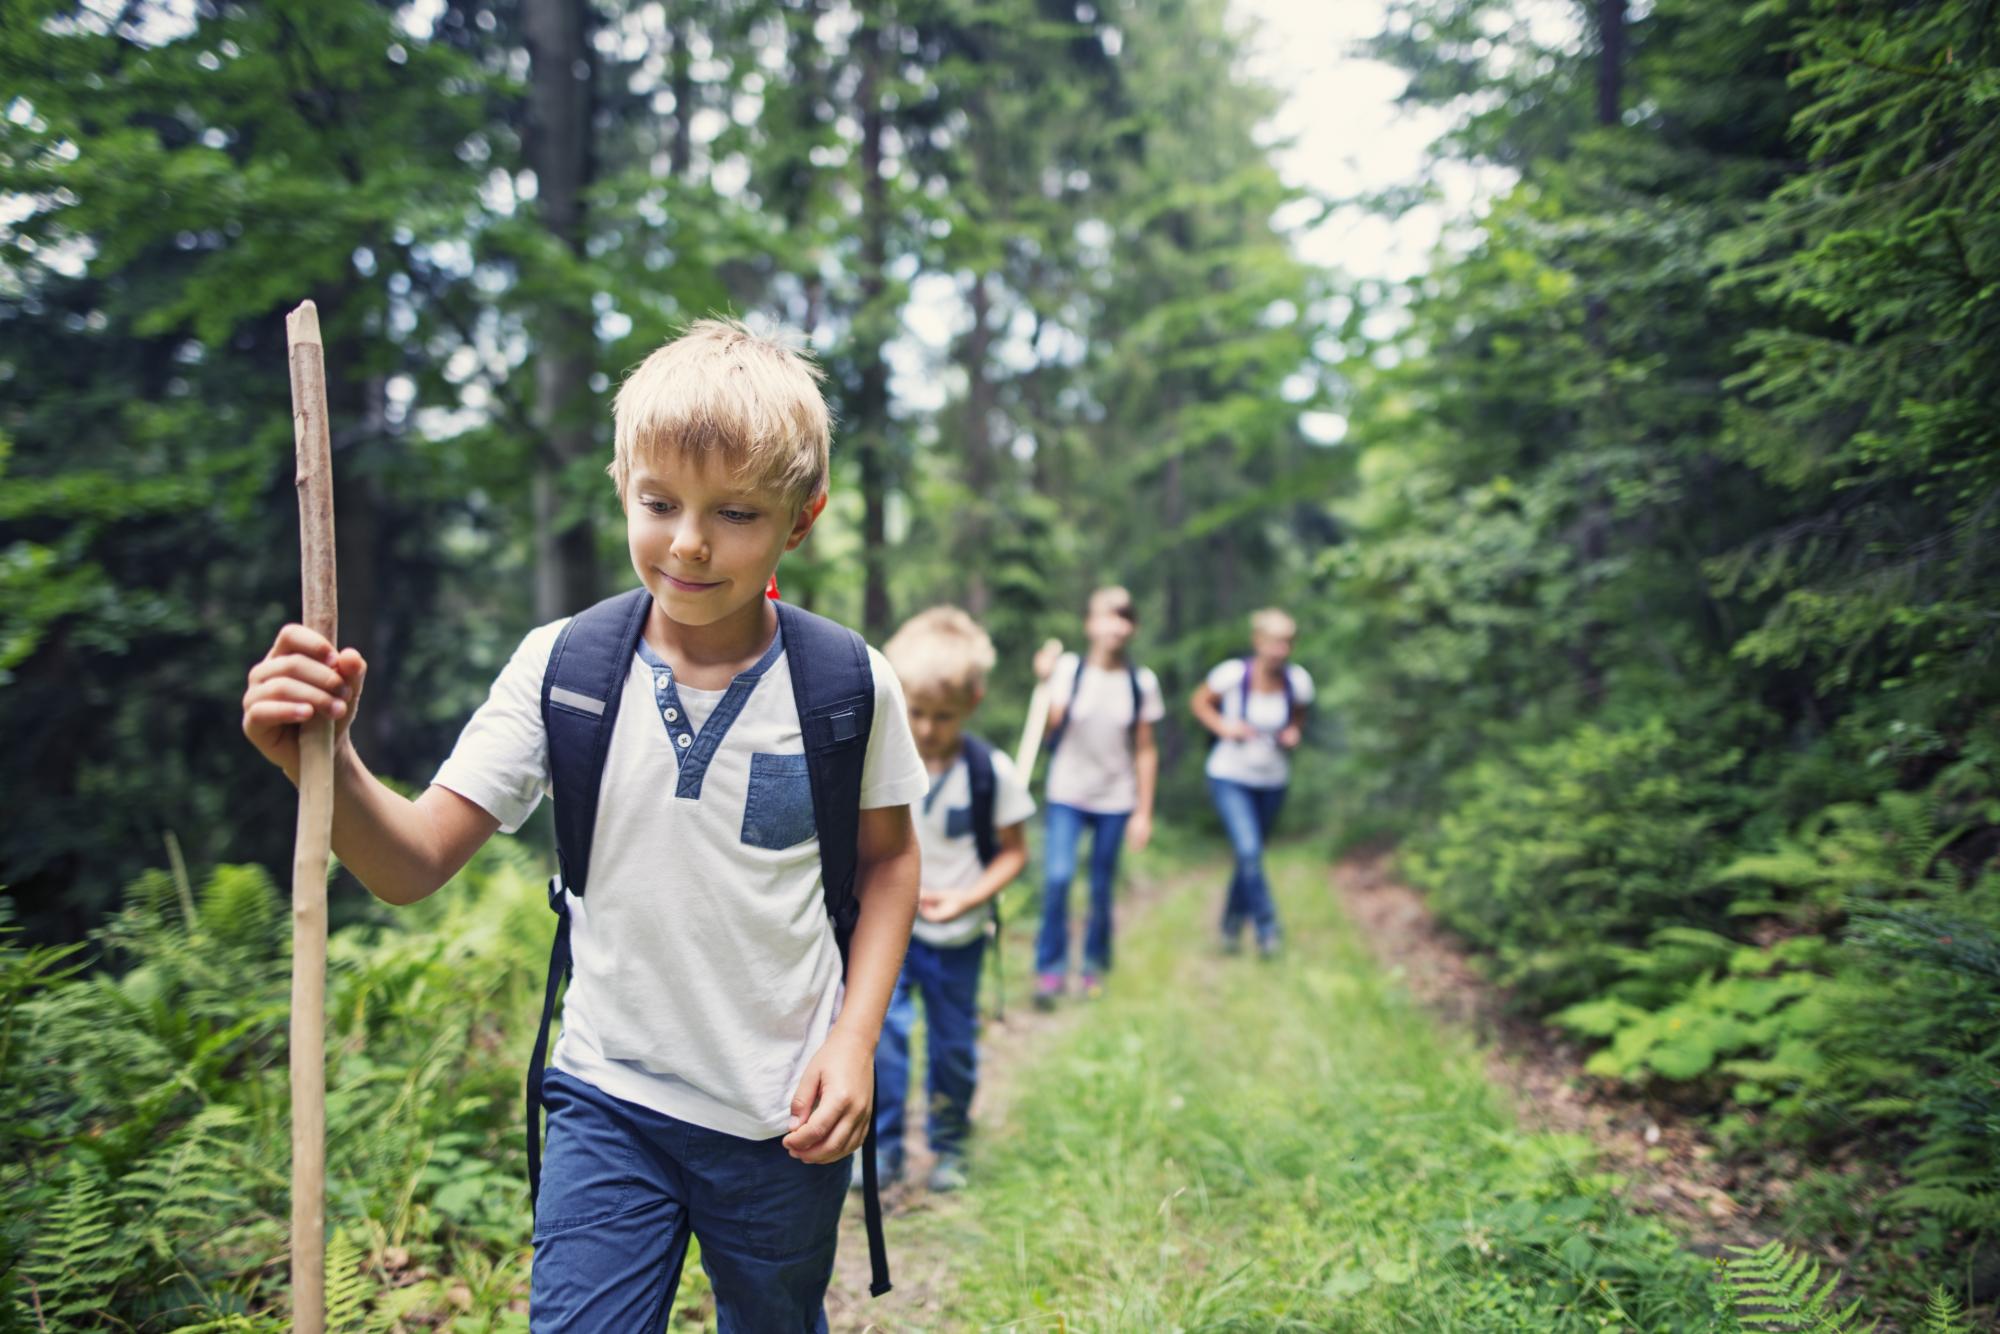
[(919, 1256)]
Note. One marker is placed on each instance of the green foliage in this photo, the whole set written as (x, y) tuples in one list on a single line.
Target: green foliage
[(1667, 610), (149, 1182)]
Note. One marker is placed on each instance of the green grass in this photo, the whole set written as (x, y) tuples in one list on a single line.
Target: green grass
[(1223, 1144)]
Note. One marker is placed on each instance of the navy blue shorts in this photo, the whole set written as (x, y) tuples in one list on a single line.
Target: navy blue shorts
[(623, 1187)]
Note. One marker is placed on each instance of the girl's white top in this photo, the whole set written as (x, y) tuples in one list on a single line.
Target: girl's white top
[(1260, 761)]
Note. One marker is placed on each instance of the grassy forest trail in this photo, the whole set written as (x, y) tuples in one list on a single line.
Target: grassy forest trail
[(1221, 1143)]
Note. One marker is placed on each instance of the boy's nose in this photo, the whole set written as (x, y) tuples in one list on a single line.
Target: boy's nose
[(689, 544)]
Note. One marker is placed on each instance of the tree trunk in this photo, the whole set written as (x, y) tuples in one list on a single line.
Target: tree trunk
[(870, 429), (682, 151), (976, 534), (1610, 60), (559, 152)]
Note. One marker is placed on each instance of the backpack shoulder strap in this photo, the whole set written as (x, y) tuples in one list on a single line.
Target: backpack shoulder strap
[(979, 773), (1138, 696), (581, 688), (580, 694), (1243, 690), (833, 686)]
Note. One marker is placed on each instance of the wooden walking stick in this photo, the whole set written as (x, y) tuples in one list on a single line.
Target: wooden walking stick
[(311, 848), (1024, 765), (1036, 725)]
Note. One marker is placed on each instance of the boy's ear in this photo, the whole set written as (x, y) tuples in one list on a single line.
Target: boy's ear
[(803, 522), (978, 693)]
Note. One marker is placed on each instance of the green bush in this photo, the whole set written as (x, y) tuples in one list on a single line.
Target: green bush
[(1555, 856), (1882, 1018)]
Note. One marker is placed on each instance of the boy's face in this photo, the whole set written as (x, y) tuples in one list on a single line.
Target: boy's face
[(937, 719), (705, 542)]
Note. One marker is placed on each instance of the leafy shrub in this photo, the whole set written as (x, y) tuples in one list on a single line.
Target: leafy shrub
[(1558, 855)]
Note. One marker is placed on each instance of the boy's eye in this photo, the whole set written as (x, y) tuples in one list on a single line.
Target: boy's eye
[(739, 516), (657, 506)]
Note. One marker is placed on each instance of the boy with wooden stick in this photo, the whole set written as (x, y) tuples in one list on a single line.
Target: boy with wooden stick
[(1103, 770), (970, 830), (723, 766)]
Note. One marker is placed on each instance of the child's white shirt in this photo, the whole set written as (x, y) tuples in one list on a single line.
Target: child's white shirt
[(705, 970), (951, 853), (1259, 761), (1094, 769)]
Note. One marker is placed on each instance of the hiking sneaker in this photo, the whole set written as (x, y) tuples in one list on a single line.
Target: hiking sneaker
[(1093, 986), (1232, 944), (947, 1175), (1048, 990), (1269, 948)]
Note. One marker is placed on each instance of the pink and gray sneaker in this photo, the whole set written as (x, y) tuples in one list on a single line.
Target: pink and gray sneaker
[(1048, 990)]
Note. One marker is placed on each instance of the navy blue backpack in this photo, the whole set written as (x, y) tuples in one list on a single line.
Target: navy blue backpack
[(580, 696), (979, 776)]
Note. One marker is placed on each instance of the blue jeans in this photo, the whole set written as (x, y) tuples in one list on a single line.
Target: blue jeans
[(1062, 828), (948, 980), (1247, 816), (623, 1187)]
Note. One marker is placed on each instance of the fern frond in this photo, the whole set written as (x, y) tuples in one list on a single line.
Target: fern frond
[(1944, 1315), (349, 1289), (1775, 1288)]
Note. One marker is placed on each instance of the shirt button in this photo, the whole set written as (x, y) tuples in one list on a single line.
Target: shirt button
[(672, 714), (684, 741), (662, 680)]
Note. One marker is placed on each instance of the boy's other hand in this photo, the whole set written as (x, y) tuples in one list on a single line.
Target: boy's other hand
[(1290, 737), (301, 676), (835, 1099), (941, 905), (1139, 831), (1046, 658)]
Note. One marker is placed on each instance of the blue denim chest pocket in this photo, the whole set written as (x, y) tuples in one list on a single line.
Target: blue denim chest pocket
[(958, 821), (778, 810)]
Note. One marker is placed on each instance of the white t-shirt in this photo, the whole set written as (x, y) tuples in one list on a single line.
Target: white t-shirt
[(1260, 761), (951, 853), (705, 971), (1093, 769)]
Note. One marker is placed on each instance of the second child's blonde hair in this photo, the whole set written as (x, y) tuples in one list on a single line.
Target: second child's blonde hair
[(942, 648), (721, 389)]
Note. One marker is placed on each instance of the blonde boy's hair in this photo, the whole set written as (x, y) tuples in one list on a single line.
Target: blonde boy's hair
[(721, 389), (942, 648), (1273, 621)]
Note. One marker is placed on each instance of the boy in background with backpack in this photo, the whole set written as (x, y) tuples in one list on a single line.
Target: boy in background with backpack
[(733, 780), (970, 828)]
